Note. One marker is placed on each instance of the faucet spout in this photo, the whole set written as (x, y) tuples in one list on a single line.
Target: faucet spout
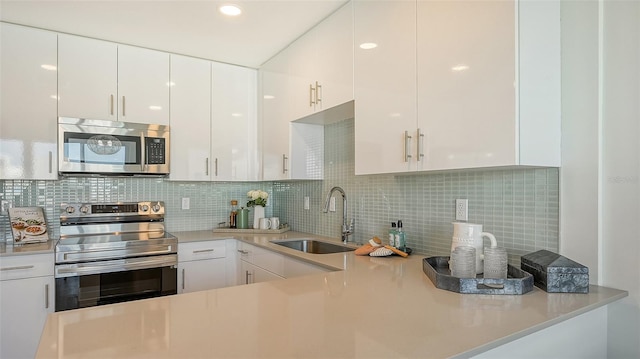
[(347, 226)]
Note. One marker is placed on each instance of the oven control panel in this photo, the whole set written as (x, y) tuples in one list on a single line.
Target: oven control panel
[(111, 209)]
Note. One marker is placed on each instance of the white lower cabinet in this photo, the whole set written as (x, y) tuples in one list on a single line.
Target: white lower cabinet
[(261, 265), (253, 274), (202, 266), (26, 298)]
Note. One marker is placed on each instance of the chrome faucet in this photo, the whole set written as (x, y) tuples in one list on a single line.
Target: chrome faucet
[(347, 230)]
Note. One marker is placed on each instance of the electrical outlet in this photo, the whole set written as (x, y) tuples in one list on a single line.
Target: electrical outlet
[(462, 209), (306, 202), (186, 203), (332, 204)]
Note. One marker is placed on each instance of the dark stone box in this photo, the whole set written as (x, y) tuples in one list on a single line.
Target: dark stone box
[(555, 273)]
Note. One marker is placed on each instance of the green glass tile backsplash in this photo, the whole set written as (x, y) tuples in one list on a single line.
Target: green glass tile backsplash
[(519, 206)]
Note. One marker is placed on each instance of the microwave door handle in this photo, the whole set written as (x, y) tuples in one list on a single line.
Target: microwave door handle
[(143, 152)]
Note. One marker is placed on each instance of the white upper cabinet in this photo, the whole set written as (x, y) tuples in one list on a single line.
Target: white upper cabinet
[(385, 85), (87, 78), (466, 76), (28, 103), (312, 74), (275, 108), (190, 118), (487, 92), (234, 124), (321, 71), (143, 85), (104, 80)]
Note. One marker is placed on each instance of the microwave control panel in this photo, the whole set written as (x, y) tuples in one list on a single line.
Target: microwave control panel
[(155, 151)]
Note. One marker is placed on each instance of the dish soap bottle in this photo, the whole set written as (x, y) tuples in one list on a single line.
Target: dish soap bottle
[(401, 240), (392, 234)]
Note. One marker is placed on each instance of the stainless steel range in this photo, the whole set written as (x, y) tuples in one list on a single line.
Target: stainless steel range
[(113, 252)]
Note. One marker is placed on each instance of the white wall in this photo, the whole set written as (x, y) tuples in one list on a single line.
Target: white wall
[(620, 171), (600, 183)]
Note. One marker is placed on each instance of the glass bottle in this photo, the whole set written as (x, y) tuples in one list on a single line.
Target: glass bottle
[(233, 215)]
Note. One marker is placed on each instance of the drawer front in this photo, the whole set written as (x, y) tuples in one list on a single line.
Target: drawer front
[(193, 251), (263, 258), (26, 266)]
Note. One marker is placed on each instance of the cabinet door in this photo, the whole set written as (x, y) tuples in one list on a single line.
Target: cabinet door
[(87, 78), (334, 57), (275, 122), (190, 118), (466, 77), (143, 85), (253, 274), (201, 275), (302, 74), (24, 306), (28, 103), (234, 123), (384, 86)]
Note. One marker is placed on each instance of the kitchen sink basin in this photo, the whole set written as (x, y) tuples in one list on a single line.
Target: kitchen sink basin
[(314, 247)]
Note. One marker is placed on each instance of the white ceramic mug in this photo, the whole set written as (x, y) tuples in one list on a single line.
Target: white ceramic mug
[(275, 222), (265, 223)]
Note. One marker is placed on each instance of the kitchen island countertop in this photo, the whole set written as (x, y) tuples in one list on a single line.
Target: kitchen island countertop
[(368, 307)]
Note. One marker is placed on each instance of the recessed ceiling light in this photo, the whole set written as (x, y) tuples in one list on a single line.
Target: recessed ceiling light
[(49, 67), (230, 10), (155, 108), (268, 97), (368, 45)]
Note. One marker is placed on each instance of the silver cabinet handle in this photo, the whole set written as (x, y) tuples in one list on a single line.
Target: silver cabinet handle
[(420, 138), (243, 252), (111, 110), (16, 268), (318, 93), (284, 163), (246, 277), (215, 167), (311, 97), (206, 166), (182, 278), (407, 141), (46, 296), (204, 250), (50, 162), (123, 106)]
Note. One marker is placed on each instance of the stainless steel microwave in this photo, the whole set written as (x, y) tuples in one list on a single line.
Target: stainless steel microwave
[(100, 147)]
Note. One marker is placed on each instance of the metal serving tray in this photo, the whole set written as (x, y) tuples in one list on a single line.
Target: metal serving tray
[(437, 269)]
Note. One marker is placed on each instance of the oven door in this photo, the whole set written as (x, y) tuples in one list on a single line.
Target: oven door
[(110, 147), (91, 284)]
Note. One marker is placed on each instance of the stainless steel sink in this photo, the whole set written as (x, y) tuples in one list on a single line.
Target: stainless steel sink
[(315, 247)]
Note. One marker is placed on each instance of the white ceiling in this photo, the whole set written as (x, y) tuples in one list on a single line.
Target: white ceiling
[(194, 28)]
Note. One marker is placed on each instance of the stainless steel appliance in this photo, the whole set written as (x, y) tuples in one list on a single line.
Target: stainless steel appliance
[(99, 147), (113, 252)]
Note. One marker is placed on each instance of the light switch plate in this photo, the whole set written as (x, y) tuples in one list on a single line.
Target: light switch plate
[(186, 203), (306, 202)]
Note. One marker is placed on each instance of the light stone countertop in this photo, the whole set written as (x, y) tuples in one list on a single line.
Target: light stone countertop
[(8, 249), (382, 307)]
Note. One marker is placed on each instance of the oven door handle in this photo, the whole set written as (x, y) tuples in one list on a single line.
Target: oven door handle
[(105, 254), (118, 265)]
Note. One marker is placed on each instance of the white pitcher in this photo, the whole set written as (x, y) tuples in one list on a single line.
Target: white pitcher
[(471, 234)]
